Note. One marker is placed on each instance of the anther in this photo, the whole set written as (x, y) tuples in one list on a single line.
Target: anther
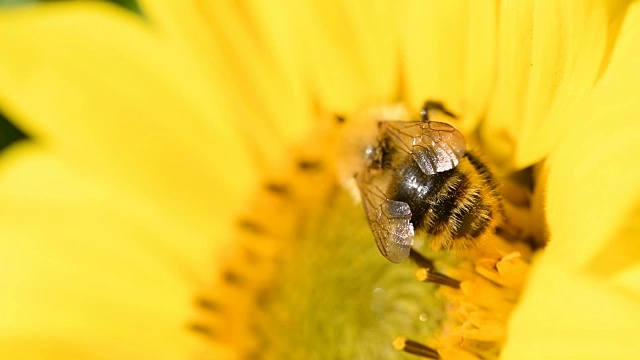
[(252, 226), (252, 356), (415, 348), (208, 304), (426, 275), (262, 298), (232, 278), (201, 329), (277, 188), (251, 256), (309, 165)]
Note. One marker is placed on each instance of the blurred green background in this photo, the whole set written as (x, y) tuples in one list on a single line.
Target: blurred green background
[(9, 133)]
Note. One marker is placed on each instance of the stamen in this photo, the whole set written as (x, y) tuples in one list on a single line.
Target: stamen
[(252, 356), (208, 304), (252, 226), (232, 277), (426, 275), (415, 348), (201, 329), (309, 165), (251, 256), (278, 188)]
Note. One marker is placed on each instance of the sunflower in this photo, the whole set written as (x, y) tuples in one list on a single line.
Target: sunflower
[(178, 196)]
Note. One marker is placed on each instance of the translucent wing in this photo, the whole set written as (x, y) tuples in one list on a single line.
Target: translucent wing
[(435, 146), (390, 222)]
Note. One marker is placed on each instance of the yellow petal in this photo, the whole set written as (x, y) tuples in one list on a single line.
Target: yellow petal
[(449, 54), (351, 51), (582, 300), (28, 173), (55, 347), (594, 173), (569, 47), (80, 277), (252, 55), (550, 54), (568, 316), (277, 45), (120, 105), (345, 60), (513, 63)]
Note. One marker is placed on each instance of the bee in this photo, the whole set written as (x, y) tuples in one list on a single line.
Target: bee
[(418, 177)]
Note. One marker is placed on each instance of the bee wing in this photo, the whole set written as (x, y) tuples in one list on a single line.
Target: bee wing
[(435, 146), (390, 222)]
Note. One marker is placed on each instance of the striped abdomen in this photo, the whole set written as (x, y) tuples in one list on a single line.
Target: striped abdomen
[(456, 207)]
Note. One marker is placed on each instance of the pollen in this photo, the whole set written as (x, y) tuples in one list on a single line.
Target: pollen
[(303, 278)]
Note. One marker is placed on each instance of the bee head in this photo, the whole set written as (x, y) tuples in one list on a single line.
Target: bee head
[(360, 149)]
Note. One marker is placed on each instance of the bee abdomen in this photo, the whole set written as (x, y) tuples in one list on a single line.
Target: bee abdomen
[(477, 210), (454, 207), (484, 172), (448, 206)]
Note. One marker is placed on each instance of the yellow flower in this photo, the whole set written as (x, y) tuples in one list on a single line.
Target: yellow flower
[(119, 219)]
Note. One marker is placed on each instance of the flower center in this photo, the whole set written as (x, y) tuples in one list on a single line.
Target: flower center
[(306, 280), (337, 298)]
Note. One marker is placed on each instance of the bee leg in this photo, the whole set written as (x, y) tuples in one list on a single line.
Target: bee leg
[(434, 105), (420, 260)]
